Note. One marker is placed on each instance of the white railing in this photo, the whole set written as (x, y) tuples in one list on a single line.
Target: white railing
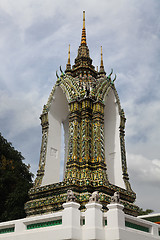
[(133, 227), (31, 223), (70, 223)]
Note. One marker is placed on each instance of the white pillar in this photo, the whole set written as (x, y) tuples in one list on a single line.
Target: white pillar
[(93, 221), (20, 226), (115, 221), (71, 221), (115, 216), (155, 230)]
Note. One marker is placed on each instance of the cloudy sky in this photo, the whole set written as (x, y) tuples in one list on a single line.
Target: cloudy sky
[(34, 40)]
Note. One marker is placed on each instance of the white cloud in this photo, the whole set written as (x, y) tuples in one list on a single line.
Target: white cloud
[(145, 178), (146, 170)]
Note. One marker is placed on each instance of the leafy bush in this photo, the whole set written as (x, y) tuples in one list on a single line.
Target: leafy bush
[(15, 181)]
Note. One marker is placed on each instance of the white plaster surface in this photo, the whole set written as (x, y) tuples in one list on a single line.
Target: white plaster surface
[(66, 139), (57, 115), (112, 140)]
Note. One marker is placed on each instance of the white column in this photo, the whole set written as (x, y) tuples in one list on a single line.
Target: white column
[(115, 222), (155, 230), (71, 221), (93, 221), (20, 225), (115, 216)]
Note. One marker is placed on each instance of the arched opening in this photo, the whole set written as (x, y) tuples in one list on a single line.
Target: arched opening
[(112, 140), (64, 147), (62, 154), (58, 123)]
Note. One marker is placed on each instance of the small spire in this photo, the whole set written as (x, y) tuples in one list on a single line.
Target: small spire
[(101, 65), (83, 62), (83, 39), (68, 65), (69, 62), (83, 19), (101, 58)]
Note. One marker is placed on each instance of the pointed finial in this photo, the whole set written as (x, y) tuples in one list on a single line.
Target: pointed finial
[(68, 65), (83, 39), (69, 55), (101, 65), (83, 19), (101, 57)]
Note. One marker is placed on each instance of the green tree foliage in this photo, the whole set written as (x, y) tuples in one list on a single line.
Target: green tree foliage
[(145, 212), (15, 181)]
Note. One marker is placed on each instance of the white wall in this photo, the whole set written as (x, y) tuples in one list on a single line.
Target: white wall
[(71, 229), (57, 115), (112, 140), (66, 139)]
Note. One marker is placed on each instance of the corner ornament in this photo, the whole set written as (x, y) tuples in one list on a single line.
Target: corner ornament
[(115, 198), (94, 197), (70, 196)]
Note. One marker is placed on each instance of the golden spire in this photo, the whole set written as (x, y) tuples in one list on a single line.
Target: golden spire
[(101, 65), (83, 39), (83, 62), (83, 19), (101, 57), (68, 65), (69, 55)]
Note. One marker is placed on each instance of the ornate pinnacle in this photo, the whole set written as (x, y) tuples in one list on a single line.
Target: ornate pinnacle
[(68, 65), (83, 62), (69, 56), (83, 19), (83, 39), (101, 65), (101, 58)]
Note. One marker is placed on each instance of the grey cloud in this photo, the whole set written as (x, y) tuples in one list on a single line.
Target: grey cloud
[(145, 178)]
